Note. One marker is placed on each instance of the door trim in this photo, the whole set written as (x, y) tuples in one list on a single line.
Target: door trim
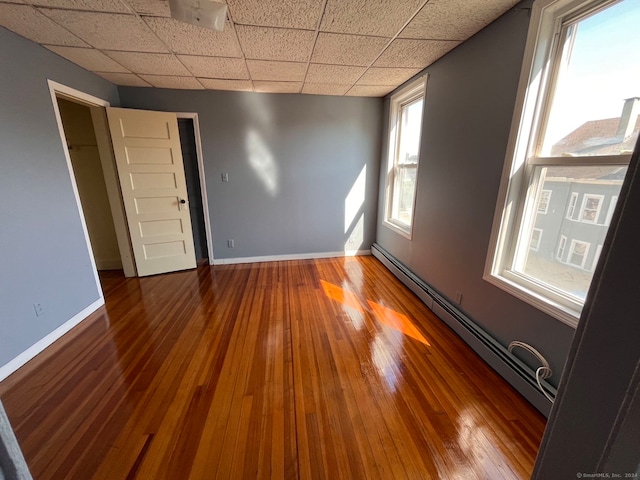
[(203, 185)]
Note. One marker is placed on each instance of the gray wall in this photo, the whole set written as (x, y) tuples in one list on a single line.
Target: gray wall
[(291, 159), (44, 256), (468, 110)]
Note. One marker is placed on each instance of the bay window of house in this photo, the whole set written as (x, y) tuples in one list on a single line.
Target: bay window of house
[(405, 127), (574, 129)]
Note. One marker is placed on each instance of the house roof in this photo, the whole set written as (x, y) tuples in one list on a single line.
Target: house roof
[(331, 47), (596, 137)]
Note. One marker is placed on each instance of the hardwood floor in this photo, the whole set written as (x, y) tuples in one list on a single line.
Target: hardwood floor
[(302, 369)]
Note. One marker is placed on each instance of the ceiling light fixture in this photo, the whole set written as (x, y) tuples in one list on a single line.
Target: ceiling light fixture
[(203, 13)]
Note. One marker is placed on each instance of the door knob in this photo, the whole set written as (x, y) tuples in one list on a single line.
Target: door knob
[(182, 203)]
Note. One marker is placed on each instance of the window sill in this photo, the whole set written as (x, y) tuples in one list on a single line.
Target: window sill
[(555, 309), (408, 234)]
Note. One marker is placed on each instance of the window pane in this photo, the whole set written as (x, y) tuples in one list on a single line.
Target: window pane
[(595, 105), (410, 124), (403, 195), (563, 257)]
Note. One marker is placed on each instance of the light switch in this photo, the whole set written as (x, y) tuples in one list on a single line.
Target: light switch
[(225, 177)]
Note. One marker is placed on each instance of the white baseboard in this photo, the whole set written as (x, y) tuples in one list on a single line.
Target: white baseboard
[(296, 256), (13, 365)]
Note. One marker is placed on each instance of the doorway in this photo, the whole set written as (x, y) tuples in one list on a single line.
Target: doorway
[(83, 151), (84, 130)]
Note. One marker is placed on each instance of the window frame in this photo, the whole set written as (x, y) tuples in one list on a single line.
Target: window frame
[(546, 205), (572, 246), (573, 203), (523, 170), (410, 93), (533, 231), (583, 208)]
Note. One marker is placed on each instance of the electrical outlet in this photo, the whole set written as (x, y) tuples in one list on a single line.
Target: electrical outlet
[(458, 297), (39, 309), (231, 243)]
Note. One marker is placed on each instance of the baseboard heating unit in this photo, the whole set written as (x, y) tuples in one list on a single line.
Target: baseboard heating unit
[(507, 365)]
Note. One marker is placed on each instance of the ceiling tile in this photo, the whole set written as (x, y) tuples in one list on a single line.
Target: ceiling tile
[(275, 43), (270, 70), (454, 19), (387, 76), (414, 53), (216, 67), (384, 18), (277, 87), (124, 79), (108, 31), (217, 84), (154, 8), (370, 90), (28, 22), (89, 58), (169, 81), (193, 40), (324, 89), (150, 63), (347, 49), (302, 14), (333, 74), (111, 6)]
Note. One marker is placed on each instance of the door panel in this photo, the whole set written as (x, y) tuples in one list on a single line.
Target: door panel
[(151, 173)]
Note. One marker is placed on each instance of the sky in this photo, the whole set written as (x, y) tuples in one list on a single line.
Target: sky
[(604, 69)]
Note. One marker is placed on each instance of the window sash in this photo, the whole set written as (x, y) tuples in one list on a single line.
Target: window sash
[(412, 93), (519, 179)]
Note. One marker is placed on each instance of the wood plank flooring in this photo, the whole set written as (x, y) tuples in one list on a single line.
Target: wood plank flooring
[(304, 369)]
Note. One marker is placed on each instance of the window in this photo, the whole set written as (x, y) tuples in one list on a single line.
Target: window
[(591, 208), (561, 246), (573, 132), (405, 126), (536, 236), (612, 207), (543, 202), (578, 253), (596, 257), (572, 205)]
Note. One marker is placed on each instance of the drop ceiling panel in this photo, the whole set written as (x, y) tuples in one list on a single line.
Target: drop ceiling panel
[(89, 58), (167, 81), (271, 70), (369, 91), (111, 6), (324, 89), (275, 43), (414, 53), (218, 84), (454, 19), (108, 31), (387, 76), (125, 79), (28, 22), (356, 50), (371, 17), (301, 14), (150, 63), (182, 37), (277, 87), (216, 67), (337, 74), (322, 47)]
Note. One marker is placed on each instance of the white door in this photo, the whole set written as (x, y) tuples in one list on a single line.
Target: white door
[(154, 191)]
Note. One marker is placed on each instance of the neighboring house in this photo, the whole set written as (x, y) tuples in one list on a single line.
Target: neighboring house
[(576, 204)]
